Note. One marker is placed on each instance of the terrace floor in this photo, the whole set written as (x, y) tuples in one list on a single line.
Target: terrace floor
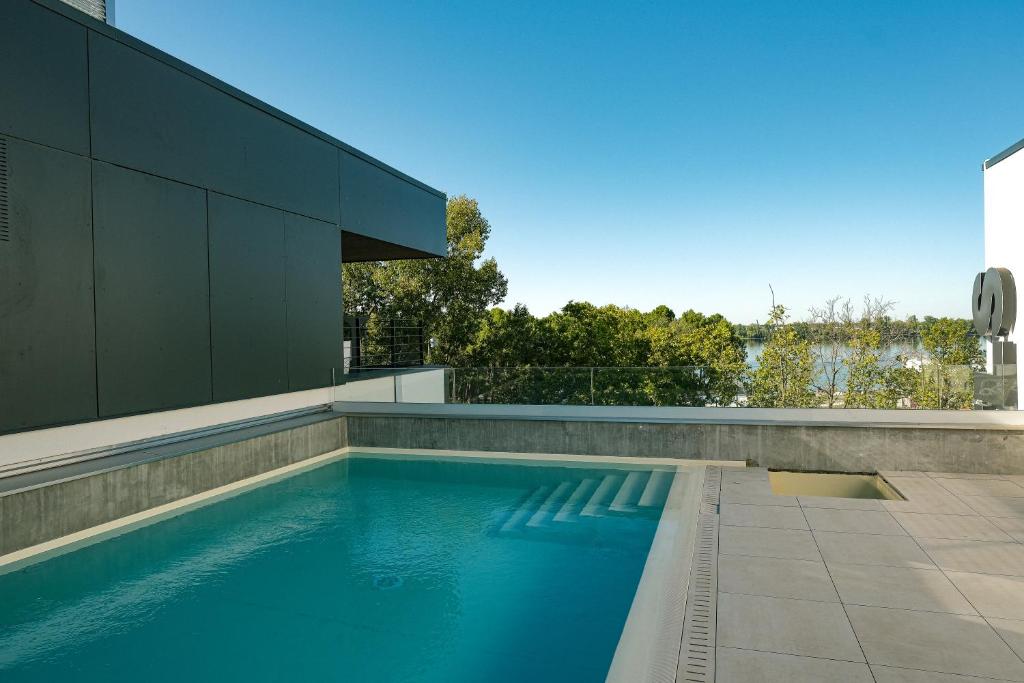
[(834, 589)]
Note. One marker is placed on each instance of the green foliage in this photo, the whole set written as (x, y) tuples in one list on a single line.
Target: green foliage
[(637, 358), (946, 381), (785, 369), (449, 296)]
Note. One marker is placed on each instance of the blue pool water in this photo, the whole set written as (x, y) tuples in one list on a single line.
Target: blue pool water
[(360, 570)]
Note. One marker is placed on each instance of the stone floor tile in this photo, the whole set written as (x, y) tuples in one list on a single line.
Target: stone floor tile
[(760, 542), (841, 503), (758, 499), (898, 587), (942, 504), (798, 627), (744, 474), (871, 549), (949, 526), (775, 577), (775, 517), (991, 506), (1014, 526), (983, 487), (983, 557), (890, 674), (960, 475), (889, 474), (747, 666), (747, 488), (946, 643), (993, 595), (1011, 631), (853, 521), (923, 486)]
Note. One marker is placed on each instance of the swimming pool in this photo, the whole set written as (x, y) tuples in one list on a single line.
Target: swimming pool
[(367, 568)]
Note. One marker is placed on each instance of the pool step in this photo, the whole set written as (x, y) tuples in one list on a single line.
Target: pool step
[(525, 510), (571, 510), (629, 493), (551, 503), (605, 490), (656, 491)]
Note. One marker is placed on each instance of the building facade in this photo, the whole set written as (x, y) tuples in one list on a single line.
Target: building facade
[(167, 241)]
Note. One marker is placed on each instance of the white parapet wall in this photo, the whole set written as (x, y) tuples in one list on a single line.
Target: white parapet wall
[(1004, 218)]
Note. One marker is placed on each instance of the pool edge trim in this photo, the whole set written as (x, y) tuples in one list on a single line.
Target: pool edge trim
[(649, 647)]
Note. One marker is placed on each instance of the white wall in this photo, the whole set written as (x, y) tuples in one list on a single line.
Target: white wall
[(1004, 223)]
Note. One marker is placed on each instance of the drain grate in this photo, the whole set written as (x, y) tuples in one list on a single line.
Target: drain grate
[(5, 215), (697, 658)]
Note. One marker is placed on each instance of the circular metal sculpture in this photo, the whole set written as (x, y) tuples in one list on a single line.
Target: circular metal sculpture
[(994, 302)]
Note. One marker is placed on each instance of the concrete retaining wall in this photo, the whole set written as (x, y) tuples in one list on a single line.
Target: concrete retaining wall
[(856, 448), (51, 510)]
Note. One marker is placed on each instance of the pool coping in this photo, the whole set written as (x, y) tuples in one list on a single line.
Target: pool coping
[(651, 641)]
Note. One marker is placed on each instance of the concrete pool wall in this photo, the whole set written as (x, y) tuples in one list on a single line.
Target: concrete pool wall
[(45, 504), (806, 440)]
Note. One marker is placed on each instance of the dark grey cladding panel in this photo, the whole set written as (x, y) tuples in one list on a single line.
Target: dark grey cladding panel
[(379, 204), (43, 84), (47, 339), (152, 117), (152, 292), (247, 299), (314, 302)]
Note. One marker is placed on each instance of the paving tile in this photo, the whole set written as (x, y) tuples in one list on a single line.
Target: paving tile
[(871, 549), (1011, 631), (775, 577), (947, 643), (1014, 526), (889, 474), (744, 474), (917, 486), (758, 499), (983, 557), (943, 504), (775, 517), (841, 503), (899, 587), (790, 543), (949, 526), (983, 487), (991, 506), (889, 674), (798, 627), (747, 488), (960, 475), (993, 595), (853, 521), (748, 666)]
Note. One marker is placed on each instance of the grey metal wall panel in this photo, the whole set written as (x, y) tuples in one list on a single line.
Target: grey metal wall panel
[(314, 302), (47, 339), (43, 86), (378, 204), (152, 292), (150, 116), (247, 299)]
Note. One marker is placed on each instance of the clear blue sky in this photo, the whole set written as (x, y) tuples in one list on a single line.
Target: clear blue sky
[(663, 152)]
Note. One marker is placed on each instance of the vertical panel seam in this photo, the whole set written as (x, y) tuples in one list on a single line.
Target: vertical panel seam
[(209, 286), (92, 223)]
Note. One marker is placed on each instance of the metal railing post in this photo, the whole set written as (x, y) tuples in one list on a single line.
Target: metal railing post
[(591, 386)]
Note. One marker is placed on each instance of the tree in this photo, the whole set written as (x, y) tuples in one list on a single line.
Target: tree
[(829, 332), (947, 378), (448, 296), (785, 369)]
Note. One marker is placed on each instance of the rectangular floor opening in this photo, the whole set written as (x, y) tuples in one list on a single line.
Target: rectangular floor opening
[(832, 485)]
